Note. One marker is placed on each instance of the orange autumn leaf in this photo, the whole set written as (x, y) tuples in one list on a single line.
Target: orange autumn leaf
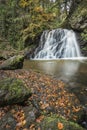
[(60, 126), (43, 106), (25, 129), (76, 109), (32, 126), (7, 126), (39, 128), (74, 118), (40, 119), (13, 111), (18, 125)]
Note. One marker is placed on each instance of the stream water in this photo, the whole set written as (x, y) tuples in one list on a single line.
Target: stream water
[(73, 72)]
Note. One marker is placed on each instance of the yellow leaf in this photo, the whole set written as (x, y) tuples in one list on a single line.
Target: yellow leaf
[(23, 122), (32, 126)]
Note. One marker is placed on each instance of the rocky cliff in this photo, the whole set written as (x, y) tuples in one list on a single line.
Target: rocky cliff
[(78, 22)]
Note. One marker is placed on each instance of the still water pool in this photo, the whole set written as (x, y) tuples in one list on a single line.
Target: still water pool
[(73, 72)]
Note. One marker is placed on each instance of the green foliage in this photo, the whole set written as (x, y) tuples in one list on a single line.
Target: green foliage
[(84, 35), (79, 16), (15, 36), (39, 19), (39, 23), (22, 21)]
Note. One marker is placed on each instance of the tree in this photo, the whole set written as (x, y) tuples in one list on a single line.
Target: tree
[(39, 18)]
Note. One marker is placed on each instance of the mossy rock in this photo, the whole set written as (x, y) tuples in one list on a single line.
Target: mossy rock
[(15, 62), (58, 123), (13, 91)]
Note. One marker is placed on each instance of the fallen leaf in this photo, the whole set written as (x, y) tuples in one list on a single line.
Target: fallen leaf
[(23, 122), (25, 129), (7, 126), (60, 126), (40, 119), (32, 126)]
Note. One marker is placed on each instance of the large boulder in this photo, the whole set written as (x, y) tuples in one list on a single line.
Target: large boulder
[(13, 91), (15, 62)]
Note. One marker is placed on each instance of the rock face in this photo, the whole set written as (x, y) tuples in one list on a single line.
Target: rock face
[(13, 91), (82, 44), (27, 116), (8, 119), (78, 22), (15, 62)]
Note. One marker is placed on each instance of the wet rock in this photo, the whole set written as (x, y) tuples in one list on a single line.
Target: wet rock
[(8, 122), (31, 113), (15, 62), (29, 53), (13, 91), (19, 117), (82, 44), (83, 120)]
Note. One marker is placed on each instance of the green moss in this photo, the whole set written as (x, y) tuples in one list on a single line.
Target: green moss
[(84, 35), (15, 85), (51, 122), (13, 91), (15, 62), (80, 11), (17, 59)]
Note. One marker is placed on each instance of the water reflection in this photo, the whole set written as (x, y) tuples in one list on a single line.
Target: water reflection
[(69, 69), (48, 67), (61, 69), (74, 72)]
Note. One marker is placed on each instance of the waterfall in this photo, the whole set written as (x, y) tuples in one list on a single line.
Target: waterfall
[(58, 43)]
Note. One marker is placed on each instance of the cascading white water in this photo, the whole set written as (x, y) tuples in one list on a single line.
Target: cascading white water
[(58, 43)]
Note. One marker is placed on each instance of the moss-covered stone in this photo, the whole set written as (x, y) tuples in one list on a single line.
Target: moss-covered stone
[(13, 91), (15, 62), (51, 123)]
